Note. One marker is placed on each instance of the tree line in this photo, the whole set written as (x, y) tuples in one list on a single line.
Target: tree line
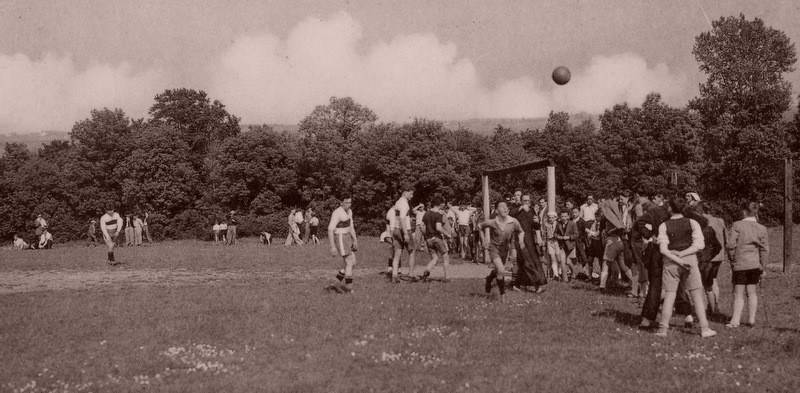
[(190, 162)]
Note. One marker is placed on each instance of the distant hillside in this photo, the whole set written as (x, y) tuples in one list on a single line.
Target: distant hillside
[(34, 141)]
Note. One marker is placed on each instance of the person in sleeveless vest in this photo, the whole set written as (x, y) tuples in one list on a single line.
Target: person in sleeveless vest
[(679, 240)]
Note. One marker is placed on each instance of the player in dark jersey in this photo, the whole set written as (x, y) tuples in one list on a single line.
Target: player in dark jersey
[(435, 234)]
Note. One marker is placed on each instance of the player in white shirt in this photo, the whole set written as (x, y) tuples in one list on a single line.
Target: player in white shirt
[(344, 243), (110, 225), (463, 215), (402, 233)]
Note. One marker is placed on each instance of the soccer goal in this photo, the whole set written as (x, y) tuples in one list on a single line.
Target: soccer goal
[(551, 183)]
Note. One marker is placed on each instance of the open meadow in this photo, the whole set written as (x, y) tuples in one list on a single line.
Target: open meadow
[(188, 316)]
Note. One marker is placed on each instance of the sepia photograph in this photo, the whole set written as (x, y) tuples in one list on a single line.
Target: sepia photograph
[(399, 196)]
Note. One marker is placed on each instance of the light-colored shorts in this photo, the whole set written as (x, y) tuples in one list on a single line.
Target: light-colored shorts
[(673, 274), (344, 243)]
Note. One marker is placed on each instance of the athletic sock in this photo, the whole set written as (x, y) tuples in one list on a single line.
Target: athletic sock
[(111, 256), (603, 278), (340, 275), (348, 283), (501, 284)]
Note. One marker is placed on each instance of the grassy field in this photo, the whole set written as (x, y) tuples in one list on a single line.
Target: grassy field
[(255, 318)]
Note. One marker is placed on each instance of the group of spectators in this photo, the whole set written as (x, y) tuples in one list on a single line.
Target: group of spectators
[(225, 230), (42, 239), (308, 221), (667, 251)]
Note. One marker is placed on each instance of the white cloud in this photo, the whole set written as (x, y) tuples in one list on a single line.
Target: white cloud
[(271, 79), (51, 94), (267, 79)]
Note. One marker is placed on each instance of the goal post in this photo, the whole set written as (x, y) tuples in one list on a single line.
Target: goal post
[(542, 164)]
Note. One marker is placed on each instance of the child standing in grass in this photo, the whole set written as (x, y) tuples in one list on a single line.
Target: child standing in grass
[(748, 251), (344, 243)]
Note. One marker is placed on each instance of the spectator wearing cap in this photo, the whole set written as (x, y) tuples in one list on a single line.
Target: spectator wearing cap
[(692, 198)]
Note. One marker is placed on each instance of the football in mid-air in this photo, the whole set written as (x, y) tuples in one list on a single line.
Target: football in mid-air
[(561, 75)]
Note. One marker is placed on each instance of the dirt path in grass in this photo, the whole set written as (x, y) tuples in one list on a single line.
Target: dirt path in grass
[(28, 281)]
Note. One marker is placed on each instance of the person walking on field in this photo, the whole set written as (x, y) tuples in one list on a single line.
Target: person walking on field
[(110, 225), (748, 252), (501, 229), (137, 230), (344, 244), (401, 233), (294, 231), (91, 233), (679, 239)]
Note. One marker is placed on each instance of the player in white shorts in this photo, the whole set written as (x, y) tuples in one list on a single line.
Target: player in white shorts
[(110, 225), (343, 241)]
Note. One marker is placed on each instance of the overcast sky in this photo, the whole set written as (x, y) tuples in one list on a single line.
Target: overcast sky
[(273, 61)]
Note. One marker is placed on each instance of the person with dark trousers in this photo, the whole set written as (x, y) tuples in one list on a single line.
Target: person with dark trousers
[(529, 266), (647, 226)]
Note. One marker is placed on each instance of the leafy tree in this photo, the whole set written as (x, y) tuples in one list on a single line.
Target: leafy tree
[(14, 156), (745, 62), (199, 120), (254, 171), (157, 175), (342, 115), (645, 143)]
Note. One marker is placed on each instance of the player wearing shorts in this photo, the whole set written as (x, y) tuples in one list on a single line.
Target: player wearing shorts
[(463, 215), (679, 239), (344, 244), (748, 252), (401, 233), (501, 229), (435, 234), (110, 225)]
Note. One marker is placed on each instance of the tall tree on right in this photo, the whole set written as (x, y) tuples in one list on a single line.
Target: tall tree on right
[(745, 62), (742, 104)]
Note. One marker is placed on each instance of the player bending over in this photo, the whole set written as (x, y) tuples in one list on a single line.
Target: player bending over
[(344, 243), (435, 234), (110, 225), (501, 229)]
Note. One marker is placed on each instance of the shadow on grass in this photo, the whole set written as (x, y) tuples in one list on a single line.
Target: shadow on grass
[(621, 317)]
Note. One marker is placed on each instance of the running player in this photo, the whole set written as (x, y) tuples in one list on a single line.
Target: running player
[(110, 225), (344, 243), (501, 229), (401, 233), (434, 237)]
